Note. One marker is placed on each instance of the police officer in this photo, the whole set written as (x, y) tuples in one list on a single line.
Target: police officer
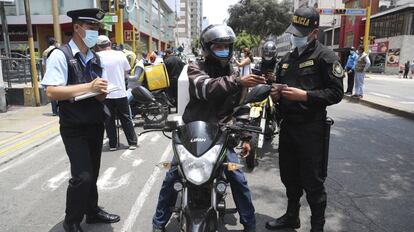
[(72, 70), (313, 75), (214, 92)]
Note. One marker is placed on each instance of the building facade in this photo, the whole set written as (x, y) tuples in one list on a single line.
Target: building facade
[(184, 26), (154, 20), (196, 17)]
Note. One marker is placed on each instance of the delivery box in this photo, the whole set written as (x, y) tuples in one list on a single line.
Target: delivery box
[(156, 77)]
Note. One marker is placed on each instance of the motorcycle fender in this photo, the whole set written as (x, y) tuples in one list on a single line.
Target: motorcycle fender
[(255, 112), (200, 220)]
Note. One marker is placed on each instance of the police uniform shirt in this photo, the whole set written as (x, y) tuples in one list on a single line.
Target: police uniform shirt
[(57, 67)]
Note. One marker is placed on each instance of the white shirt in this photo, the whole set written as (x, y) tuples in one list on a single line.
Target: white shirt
[(57, 66), (114, 64)]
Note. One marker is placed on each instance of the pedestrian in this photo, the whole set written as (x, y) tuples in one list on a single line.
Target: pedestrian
[(401, 71), (406, 69), (212, 83), (52, 45), (412, 70), (350, 70), (361, 67), (244, 64), (116, 68), (313, 76), (174, 67), (74, 69)]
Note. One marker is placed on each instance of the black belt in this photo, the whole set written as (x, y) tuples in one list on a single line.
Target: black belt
[(305, 117)]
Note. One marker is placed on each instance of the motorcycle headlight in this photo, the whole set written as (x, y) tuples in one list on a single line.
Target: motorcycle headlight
[(198, 170)]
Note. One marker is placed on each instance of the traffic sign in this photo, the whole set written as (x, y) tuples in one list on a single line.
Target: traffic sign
[(107, 27), (110, 19), (343, 11)]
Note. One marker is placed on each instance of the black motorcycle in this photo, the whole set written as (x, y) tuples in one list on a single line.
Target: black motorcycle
[(152, 108), (200, 150)]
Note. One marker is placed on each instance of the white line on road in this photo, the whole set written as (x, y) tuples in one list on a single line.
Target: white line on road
[(380, 95), (39, 174), (127, 155), (407, 102), (55, 182), (155, 138), (137, 207), (106, 182), (25, 158)]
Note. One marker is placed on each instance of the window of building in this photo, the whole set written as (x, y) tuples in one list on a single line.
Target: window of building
[(393, 25)]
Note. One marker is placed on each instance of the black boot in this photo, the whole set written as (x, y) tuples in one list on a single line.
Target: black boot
[(318, 217), (289, 220)]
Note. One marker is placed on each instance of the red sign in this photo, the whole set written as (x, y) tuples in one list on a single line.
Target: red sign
[(381, 47)]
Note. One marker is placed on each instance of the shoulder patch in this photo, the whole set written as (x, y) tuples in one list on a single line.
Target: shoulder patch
[(285, 66), (337, 70), (306, 64)]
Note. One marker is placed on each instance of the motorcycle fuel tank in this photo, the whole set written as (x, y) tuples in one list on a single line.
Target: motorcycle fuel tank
[(198, 137)]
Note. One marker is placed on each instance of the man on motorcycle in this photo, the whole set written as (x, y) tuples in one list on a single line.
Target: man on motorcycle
[(214, 92), (269, 54)]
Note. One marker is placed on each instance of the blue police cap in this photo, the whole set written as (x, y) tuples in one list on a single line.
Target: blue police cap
[(88, 15)]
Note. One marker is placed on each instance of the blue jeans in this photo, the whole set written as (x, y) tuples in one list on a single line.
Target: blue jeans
[(239, 189)]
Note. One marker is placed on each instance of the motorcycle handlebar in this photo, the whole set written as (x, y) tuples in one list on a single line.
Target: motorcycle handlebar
[(243, 127)]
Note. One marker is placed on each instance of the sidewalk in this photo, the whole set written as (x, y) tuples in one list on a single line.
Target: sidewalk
[(388, 93), (23, 128)]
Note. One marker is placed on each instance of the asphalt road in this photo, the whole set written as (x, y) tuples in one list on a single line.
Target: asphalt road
[(370, 184)]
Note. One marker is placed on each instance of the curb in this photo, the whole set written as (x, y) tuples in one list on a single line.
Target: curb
[(377, 106)]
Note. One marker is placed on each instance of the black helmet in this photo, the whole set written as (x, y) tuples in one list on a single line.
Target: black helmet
[(217, 34), (269, 50)]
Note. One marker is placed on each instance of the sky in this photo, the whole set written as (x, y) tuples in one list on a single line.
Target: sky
[(216, 10)]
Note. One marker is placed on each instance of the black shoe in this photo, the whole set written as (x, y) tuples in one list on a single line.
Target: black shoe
[(102, 217), (283, 222), (348, 93), (72, 227)]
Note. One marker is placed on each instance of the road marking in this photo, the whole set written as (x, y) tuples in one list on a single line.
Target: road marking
[(27, 132), (142, 138), (55, 182), (155, 138), (29, 140), (127, 155), (407, 102), (39, 174), (380, 95), (106, 182), (25, 158), (137, 207)]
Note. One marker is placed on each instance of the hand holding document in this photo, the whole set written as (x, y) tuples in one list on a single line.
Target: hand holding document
[(111, 88)]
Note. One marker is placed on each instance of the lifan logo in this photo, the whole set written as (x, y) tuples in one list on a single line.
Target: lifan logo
[(194, 140)]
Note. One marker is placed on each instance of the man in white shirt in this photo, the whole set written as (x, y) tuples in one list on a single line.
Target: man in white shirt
[(115, 66)]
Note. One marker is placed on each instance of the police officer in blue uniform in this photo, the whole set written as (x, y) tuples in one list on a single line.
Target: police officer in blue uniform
[(74, 69), (313, 75)]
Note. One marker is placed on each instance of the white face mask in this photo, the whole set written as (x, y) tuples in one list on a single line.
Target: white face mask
[(298, 42)]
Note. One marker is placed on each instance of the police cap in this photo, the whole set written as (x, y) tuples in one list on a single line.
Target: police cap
[(304, 21), (88, 15)]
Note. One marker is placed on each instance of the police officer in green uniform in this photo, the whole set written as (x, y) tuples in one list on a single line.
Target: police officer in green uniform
[(313, 76), (72, 70)]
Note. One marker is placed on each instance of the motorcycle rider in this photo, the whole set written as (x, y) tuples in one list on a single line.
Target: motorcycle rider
[(269, 58), (214, 92)]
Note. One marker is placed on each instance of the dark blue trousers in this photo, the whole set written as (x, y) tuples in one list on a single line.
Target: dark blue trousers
[(239, 189)]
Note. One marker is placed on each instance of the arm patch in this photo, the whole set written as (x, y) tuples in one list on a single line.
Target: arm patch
[(337, 70)]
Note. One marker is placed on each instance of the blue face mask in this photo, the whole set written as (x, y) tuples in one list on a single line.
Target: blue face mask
[(91, 37), (222, 53), (298, 42)]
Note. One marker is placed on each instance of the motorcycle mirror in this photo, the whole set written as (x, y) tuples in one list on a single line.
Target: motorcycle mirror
[(233, 166), (142, 94), (258, 93)]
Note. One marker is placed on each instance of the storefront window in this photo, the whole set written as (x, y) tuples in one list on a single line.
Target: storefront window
[(392, 25)]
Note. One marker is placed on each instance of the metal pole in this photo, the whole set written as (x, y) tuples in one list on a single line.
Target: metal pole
[(119, 26), (367, 27), (56, 25), (32, 53), (5, 30)]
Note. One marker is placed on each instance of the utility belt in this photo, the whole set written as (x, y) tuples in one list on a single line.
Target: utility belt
[(304, 118)]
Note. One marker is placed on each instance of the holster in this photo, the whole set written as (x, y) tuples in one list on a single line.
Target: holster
[(328, 123)]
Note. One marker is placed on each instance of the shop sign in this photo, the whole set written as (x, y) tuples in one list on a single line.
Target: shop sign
[(381, 47), (393, 57)]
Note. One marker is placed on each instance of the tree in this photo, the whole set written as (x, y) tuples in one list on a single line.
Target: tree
[(245, 40), (260, 17)]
